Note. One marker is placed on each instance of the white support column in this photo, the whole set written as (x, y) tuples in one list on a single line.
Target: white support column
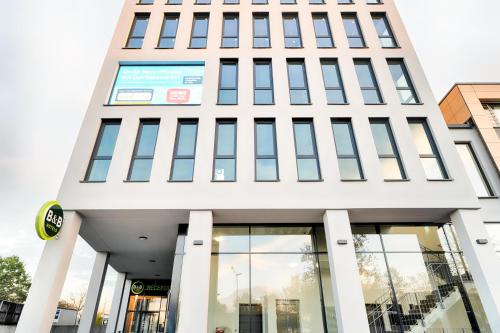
[(123, 311), (94, 292), (40, 307), (482, 261), (116, 304), (346, 284), (195, 279)]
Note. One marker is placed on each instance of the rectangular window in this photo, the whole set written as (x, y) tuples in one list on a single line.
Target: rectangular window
[(146, 2), (353, 31), (174, 2), (228, 82), (373, 2), (316, 2), (402, 81), (347, 150), (344, 2), (306, 151), (231, 2), (322, 30), (291, 30), (367, 82), (260, 2), (202, 2), (384, 31), (184, 151), (474, 170), (261, 36), (288, 2), (263, 82), (297, 81), (103, 151), (199, 32), (266, 151), (332, 79), (230, 30), (169, 31), (138, 31), (427, 149), (388, 154), (144, 151), (225, 151)]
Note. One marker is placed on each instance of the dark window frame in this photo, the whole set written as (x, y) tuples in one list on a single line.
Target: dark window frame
[(361, 36), (218, 122), (286, 36), (97, 145), (375, 85), (388, 26), (269, 62), (261, 15), (272, 122), (169, 36), (131, 36), (395, 149), (479, 166), (142, 122), (180, 122), (329, 36), (314, 156), (306, 82), (199, 37), (341, 87), (409, 81), (354, 144), (230, 15), (436, 154), (228, 61)]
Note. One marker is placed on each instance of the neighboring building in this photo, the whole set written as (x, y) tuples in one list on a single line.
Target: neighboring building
[(472, 112), (270, 167)]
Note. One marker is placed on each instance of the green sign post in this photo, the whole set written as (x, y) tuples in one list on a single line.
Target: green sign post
[(49, 220)]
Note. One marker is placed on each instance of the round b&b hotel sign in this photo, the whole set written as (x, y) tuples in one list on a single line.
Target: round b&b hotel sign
[(49, 220)]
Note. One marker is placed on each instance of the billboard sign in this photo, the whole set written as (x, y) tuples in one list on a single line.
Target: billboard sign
[(165, 84)]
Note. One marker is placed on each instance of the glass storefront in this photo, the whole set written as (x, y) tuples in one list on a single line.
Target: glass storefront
[(415, 278), (147, 307), (270, 279)]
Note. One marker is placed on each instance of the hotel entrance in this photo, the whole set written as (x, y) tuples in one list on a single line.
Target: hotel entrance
[(147, 306)]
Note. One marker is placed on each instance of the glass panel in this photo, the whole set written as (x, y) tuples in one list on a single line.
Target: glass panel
[(263, 96), (225, 169), (326, 284), (335, 97), (432, 168), (324, 42), (321, 26), (390, 168), (187, 140), (260, 26), (473, 170), (477, 307), (286, 288), (307, 169), (265, 139), (366, 238), (382, 138), (230, 239), (197, 43), (351, 26), (230, 26), (226, 139), (349, 169), (108, 140), (266, 169), (381, 26), (413, 239), (356, 42), (229, 292), (99, 170), (343, 140), (228, 96), (330, 75), (140, 26), (406, 96), (167, 43), (398, 74), (200, 27), (299, 96), (296, 75), (261, 42), (135, 42), (364, 73), (170, 26), (262, 75), (141, 169), (147, 141), (281, 239), (183, 170), (304, 141), (388, 42), (228, 75), (371, 97)]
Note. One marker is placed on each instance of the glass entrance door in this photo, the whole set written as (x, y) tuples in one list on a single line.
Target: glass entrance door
[(414, 278)]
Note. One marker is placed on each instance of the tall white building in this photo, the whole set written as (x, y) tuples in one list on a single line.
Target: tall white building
[(267, 167)]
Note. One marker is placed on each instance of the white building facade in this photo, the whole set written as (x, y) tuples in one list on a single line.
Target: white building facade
[(270, 167)]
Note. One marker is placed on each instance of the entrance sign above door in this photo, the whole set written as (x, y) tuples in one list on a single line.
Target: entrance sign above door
[(49, 220)]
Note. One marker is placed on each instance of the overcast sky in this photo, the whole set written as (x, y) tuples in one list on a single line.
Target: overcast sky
[(50, 57)]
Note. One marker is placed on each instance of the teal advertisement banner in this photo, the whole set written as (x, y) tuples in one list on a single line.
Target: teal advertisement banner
[(158, 85)]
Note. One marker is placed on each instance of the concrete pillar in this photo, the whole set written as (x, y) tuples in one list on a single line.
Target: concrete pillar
[(41, 304), (346, 284), (482, 261), (123, 311), (116, 303), (195, 279), (94, 292)]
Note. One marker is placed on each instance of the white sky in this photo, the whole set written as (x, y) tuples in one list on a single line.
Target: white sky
[(51, 54)]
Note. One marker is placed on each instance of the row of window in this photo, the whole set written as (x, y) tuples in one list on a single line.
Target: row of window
[(299, 87), (266, 151), (258, 2), (261, 30)]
